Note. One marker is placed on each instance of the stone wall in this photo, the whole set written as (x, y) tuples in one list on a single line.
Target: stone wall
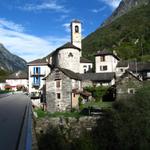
[(72, 126)]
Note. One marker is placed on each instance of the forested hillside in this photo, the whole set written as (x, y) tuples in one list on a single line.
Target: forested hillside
[(128, 36)]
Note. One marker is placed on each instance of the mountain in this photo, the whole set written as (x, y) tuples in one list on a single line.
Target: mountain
[(124, 7), (128, 35), (10, 62)]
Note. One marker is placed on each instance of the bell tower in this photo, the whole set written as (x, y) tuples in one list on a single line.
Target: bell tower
[(76, 33)]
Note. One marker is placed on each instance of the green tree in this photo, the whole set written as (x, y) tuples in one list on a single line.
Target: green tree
[(127, 125)]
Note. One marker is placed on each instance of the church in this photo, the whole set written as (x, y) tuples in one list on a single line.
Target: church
[(63, 74)]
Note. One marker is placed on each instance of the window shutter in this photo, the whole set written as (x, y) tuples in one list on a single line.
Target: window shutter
[(34, 78), (39, 69)]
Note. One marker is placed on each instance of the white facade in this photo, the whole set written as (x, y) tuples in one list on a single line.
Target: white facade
[(76, 34), (76, 84), (14, 83), (106, 63), (2, 86), (85, 67), (35, 75), (69, 58)]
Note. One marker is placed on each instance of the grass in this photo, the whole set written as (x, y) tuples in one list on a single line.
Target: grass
[(99, 104), (42, 114), (75, 114)]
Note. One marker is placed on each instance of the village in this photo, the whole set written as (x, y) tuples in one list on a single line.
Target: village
[(58, 82)]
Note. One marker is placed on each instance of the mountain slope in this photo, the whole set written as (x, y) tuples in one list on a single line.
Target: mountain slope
[(124, 7), (10, 62), (128, 36)]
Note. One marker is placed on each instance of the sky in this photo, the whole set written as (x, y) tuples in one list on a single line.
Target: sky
[(32, 29)]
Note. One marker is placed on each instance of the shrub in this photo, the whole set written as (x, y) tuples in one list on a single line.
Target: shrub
[(97, 92)]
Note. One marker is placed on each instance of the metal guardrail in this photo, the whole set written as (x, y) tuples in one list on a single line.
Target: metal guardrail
[(24, 141)]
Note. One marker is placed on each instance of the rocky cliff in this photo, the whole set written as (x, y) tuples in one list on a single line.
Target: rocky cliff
[(10, 62), (124, 7)]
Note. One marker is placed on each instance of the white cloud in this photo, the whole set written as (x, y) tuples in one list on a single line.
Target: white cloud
[(67, 27), (11, 25), (112, 3), (51, 5), (61, 18), (99, 10), (28, 46)]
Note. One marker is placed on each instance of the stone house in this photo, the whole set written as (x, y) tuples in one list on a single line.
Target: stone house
[(127, 85), (61, 90)]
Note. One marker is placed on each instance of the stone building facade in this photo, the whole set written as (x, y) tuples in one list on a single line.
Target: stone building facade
[(127, 85), (60, 84)]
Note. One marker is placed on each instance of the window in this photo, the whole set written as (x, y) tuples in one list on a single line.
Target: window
[(58, 83), (121, 70), (76, 29), (102, 58), (89, 67), (37, 70), (74, 95), (70, 55), (103, 68), (131, 91), (58, 96), (84, 66)]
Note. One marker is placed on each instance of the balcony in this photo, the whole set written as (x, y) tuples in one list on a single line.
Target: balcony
[(36, 84), (41, 74)]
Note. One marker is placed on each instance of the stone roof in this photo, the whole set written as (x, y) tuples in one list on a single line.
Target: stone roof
[(85, 60), (97, 76), (122, 64), (67, 45), (70, 74), (18, 75), (135, 66), (106, 52), (125, 75), (38, 61), (139, 66)]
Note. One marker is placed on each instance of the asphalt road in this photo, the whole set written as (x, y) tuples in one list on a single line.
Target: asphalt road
[(12, 110)]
